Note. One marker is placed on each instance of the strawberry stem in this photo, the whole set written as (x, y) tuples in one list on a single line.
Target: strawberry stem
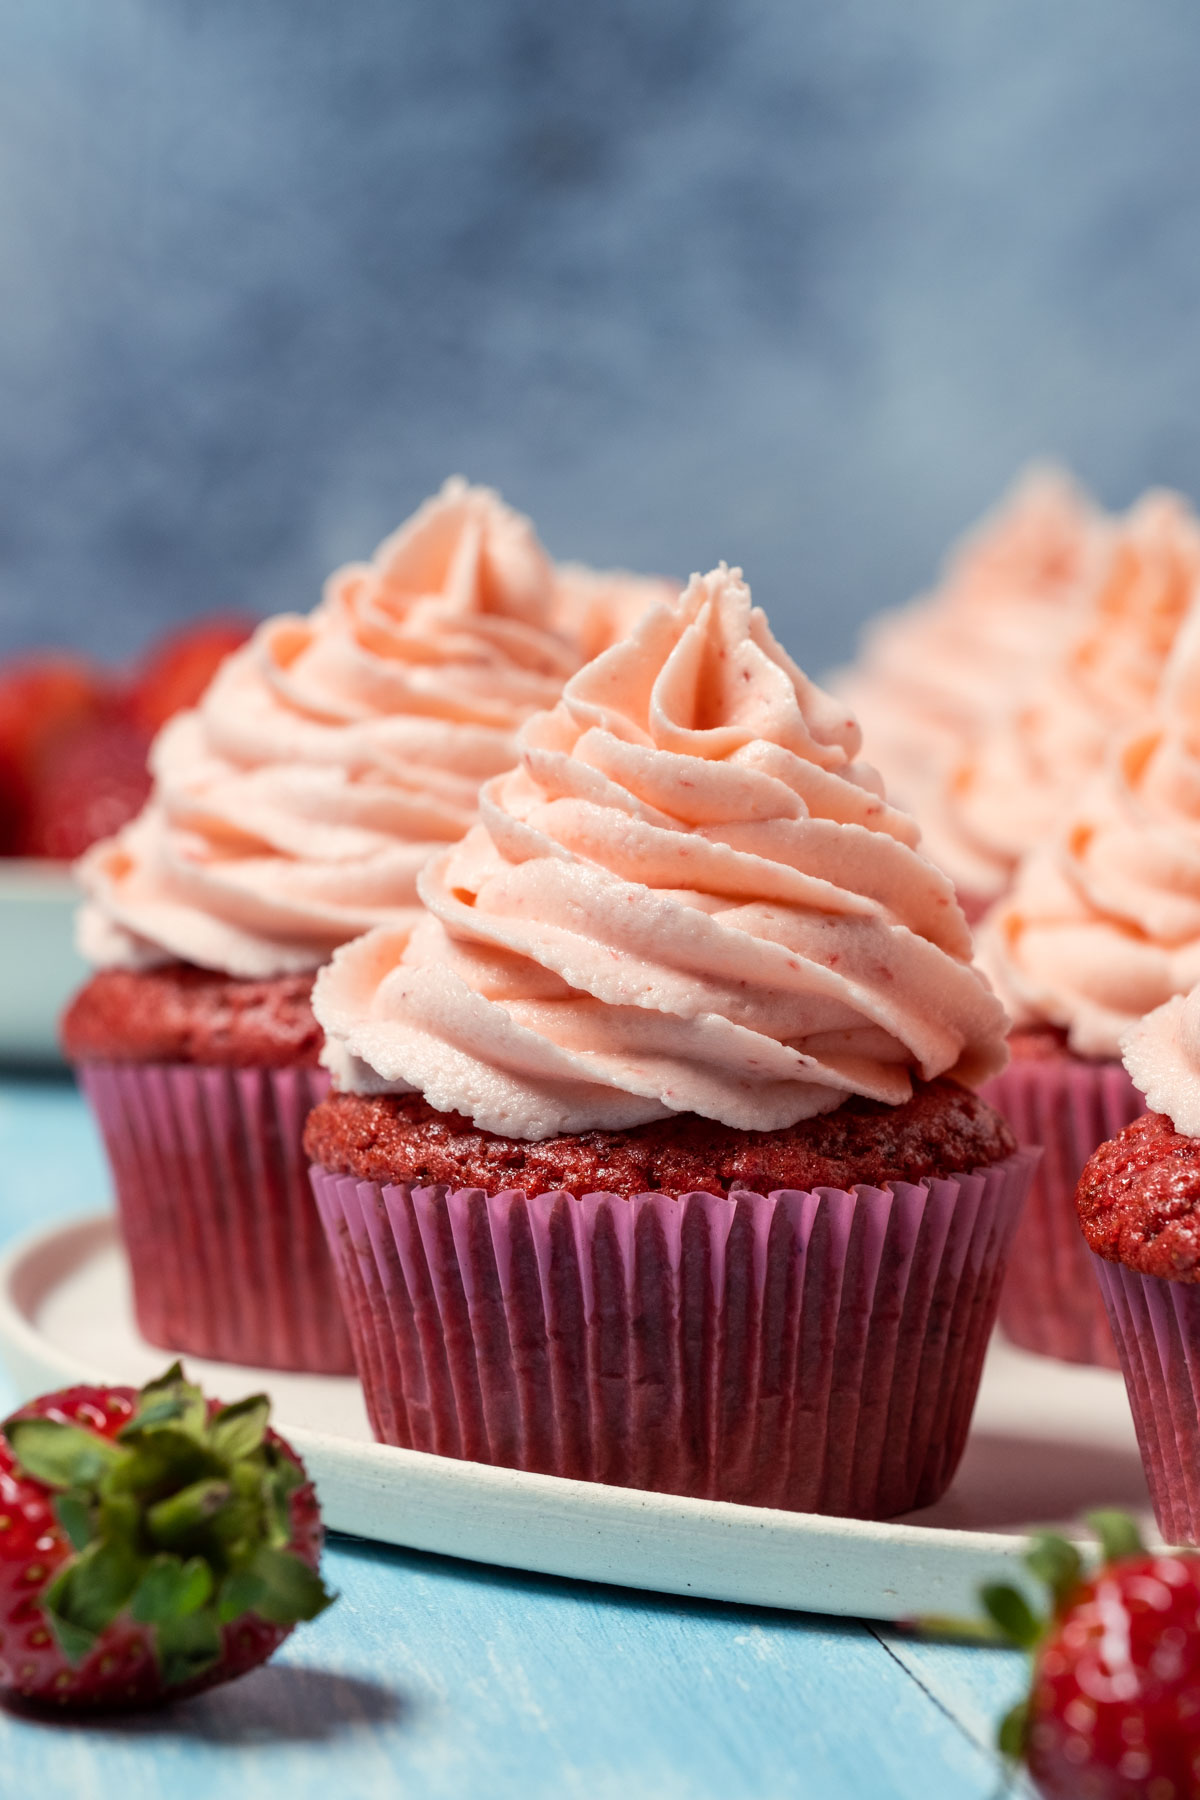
[(1117, 1534)]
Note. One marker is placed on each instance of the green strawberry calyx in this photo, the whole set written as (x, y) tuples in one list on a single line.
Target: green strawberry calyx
[(182, 1521), (1012, 1622)]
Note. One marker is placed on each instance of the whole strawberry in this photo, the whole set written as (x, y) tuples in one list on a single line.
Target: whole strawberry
[(1114, 1707), (152, 1543)]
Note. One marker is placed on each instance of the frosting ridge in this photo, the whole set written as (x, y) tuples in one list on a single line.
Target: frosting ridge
[(293, 808), (688, 896)]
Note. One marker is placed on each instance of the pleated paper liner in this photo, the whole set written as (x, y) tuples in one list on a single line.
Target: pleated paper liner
[(1156, 1325), (816, 1351), (1050, 1303), (225, 1245)]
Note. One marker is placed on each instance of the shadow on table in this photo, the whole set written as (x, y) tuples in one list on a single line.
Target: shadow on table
[(1008, 1483), (275, 1705)]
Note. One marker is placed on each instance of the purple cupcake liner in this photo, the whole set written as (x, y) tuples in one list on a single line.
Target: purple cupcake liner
[(816, 1351), (225, 1246), (1049, 1303), (1156, 1325)]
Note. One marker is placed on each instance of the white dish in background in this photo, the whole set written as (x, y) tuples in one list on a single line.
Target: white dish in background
[(40, 967), (1047, 1442)]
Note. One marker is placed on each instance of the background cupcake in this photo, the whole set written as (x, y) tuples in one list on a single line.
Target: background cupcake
[(291, 811), (933, 675), (1139, 1206), (1015, 780), (653, 1157), (1102, 926)]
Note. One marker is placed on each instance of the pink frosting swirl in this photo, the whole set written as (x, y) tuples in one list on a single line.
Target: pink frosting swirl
[(1103, 923), (1016, 779), (294, 807), (688, 897), (1162, 1054), (932, 675)]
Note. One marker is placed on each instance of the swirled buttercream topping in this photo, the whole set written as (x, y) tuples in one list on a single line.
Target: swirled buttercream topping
[(294, 807), (933, 675), (1103, 923), (1016, 780), (689, 896), (1162, 1054)]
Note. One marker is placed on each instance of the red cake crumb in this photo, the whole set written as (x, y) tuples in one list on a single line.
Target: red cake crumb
[(943, 1129), (181, 1014), (1040, 1043), (1139, 1200)]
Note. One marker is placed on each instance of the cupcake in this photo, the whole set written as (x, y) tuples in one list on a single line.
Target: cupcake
[(1139, 1206), (933, 675), (655, 1157), (1102, 926), (291, 810)]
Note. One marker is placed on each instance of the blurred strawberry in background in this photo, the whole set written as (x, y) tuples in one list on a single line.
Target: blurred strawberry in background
[(74, 736), (177, 668)]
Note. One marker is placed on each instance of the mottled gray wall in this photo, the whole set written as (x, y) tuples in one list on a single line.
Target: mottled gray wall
[(794, 284)]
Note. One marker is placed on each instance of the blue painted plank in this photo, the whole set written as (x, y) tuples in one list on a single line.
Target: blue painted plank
[(449, 1681), (974, 1685), (51, 1162)]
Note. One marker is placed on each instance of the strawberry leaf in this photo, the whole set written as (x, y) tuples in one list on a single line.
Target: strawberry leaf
[(292, 1591), (171, 1589), (1013, 1731), (187, 1646), (1056, 1562), (180, 1517), (276, 1584), (279, 1483), (119, 1516), (1011, 1613), (92, 1588), (74, 1514), (170, 1400), (61, 1456), (1117, 1533), (161, 1461), (74, 1642), (238, 1430)]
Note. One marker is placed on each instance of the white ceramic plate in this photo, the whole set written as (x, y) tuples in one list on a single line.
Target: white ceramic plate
[(39, 965), (1047, 1441)]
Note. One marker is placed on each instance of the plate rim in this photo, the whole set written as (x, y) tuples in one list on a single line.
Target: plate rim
[(366, 1475)]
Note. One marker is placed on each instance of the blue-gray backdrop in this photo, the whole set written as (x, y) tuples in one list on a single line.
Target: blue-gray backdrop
[(791, 283)]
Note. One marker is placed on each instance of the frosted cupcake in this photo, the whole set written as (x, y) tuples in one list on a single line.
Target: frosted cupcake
[(655, 1157), (290, 812), (1102, 926), (934, 675), (1139, 1206)]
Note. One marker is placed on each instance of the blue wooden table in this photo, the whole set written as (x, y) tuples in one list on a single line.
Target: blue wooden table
[(445, 1679)]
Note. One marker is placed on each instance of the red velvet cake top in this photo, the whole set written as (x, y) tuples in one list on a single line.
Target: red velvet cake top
[(181, 1014), (943, 1129), (1139, 1200)]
